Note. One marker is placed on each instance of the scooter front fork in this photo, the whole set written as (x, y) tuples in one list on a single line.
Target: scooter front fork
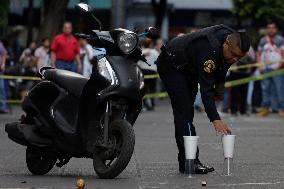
[(106, 122)]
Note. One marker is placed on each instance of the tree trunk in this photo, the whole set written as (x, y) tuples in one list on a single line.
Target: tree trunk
[(54, 16), (4, 7), (159, 11), (118, 13), (30, 22)]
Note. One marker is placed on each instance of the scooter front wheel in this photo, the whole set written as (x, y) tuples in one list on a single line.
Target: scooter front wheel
[(38, 162), (109, 163)]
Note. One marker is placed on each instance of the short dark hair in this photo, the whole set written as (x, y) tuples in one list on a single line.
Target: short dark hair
[(271, 22), (239, 40), (43, 39), (67, 22)]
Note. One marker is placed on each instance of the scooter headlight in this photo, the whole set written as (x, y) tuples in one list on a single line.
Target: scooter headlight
[(105, 70), (127, 42)]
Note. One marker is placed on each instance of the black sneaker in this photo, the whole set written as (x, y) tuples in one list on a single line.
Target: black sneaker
[(199, 168), (208, 168)]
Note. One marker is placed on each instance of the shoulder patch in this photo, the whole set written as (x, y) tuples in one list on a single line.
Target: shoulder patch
[(209, 66)]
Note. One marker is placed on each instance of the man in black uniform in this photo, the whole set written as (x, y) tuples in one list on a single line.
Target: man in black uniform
[(202, 57)]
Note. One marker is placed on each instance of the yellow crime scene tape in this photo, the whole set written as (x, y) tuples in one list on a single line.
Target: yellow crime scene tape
[(233, 68), (164, 94), (20, 77)]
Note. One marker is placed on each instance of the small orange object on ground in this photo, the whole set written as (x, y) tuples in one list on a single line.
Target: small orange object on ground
[(80, 184), (204, 183)]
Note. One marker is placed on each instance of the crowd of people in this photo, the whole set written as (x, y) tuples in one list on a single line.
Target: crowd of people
[(68, 53), (63, 52)]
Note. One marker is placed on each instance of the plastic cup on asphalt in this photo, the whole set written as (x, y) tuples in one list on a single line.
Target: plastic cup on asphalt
[(228, 149), (190, 146), (228, 145)]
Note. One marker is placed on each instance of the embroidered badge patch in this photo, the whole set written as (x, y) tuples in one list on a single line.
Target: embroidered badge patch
[(209, 66)]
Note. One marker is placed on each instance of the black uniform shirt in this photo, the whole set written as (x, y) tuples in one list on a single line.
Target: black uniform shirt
[(208, 68)]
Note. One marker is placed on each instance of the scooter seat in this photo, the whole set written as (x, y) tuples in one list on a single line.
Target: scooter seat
[(71, 81)]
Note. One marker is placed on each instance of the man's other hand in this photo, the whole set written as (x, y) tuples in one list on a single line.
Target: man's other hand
[(221, 127)]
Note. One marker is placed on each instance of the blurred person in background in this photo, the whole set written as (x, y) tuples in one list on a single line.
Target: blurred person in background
[(86, 55), (256, 97), (14, 41), (42, 54), (11, 68), (27, 60), (270, 54), (226, 100), (239, 93), (158, 44), (151, 55), (65, 50), (27, 68), (3, 95)]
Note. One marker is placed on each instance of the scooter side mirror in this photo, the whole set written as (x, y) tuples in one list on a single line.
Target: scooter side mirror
[(88, 11), (152, 33), (84, 8)]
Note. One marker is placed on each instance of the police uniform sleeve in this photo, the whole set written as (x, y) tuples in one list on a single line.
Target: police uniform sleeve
[(206, 63)]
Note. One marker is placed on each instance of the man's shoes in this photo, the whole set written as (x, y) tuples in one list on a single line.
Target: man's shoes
[(208, 168), (263, 112), (199, 168)]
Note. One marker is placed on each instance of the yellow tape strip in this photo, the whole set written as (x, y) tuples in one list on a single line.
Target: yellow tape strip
[(227, 84), (11, 101), (246, 66), (156, 95), (232, 69), (254, 78), (151, 76), (154, 76), (20, 77)]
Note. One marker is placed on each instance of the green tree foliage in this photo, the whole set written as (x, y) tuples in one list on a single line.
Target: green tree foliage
[(259, 9)]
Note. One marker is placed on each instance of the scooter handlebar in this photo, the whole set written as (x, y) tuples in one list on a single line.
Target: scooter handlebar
[(85, 36)]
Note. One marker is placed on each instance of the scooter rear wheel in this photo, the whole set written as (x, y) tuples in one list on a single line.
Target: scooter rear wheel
[(109, 163), (38, 161)]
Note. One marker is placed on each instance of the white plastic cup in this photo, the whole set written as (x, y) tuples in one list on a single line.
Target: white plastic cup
[(190, 146), (228, 145)]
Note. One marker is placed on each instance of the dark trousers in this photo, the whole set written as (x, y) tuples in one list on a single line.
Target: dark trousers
[(239, 94), (256, 95), (150, 87), (182, 91)]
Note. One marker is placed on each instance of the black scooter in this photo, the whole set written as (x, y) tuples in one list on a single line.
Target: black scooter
[(68, 115)]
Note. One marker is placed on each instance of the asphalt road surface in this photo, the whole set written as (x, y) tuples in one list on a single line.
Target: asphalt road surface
[(258, 161)]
